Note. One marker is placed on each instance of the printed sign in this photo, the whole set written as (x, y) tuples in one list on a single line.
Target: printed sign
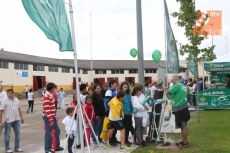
[(213, 25), (214, 99), (22, 73), (219, 76)]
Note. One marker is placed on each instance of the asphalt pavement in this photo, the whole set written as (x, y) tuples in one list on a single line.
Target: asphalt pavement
[(32, 133)]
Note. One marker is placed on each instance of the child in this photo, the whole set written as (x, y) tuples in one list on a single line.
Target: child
[(30, 97), (89, 111), (67, 121), (136, 102), (115, 116), (128, 109), (73, 104), (61, 98)]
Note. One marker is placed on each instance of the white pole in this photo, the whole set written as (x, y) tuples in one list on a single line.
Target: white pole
[(91, 52), (76, 75), (226, 44), (141, 76), (166, 61)]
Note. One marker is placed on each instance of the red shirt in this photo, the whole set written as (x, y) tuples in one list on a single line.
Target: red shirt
[(89, 112), (49, 106)]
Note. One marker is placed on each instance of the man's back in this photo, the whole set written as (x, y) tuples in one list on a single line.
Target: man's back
[(180, 94)]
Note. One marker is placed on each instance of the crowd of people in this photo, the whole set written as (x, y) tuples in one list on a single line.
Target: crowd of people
[(117, 104)]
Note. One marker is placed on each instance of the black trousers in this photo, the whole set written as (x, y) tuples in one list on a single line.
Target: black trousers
[(70, 144), (26, 94), (128, 126), (31, 105), (113, 138)]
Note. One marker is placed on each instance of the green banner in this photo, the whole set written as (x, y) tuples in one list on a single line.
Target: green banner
[(219, 76), (50, 16), (192, 66), (171, 50), (214, 99), (211, 65)]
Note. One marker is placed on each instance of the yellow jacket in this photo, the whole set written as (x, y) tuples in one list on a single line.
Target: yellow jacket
[(116, 108)]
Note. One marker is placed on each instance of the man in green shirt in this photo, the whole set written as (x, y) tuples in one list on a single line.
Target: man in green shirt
[(180, 108)]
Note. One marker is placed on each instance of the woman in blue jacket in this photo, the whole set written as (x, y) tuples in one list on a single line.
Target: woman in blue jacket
[(127, 109)]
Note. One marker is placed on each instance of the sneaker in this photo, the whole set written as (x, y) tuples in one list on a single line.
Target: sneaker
[(143, 144), (105, 145), (78, 146), (49, 151), (125, 148), (95, 144), (9, 151), (92, 146), (128, 144), (18, 150), (182, 144)]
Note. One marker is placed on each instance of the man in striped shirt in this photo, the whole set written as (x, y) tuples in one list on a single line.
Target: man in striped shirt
[(49, 113)]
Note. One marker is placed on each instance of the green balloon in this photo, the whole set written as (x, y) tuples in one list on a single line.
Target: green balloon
[(156, 56), (133, 52)]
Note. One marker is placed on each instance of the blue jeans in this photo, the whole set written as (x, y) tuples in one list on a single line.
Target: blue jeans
[(48, 134), (96, 129), (16, 125)]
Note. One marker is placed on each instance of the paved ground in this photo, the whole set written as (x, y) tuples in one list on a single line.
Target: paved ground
[(32, 134)]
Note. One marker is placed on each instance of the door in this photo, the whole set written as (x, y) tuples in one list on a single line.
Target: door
[(148, 80), (35, 83), (101, 81), (112, 78), (130, 80), (74, 82), (43, 81)]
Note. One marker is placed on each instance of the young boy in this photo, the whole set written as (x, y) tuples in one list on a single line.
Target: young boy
[(115, 116), (110, 94), (82, 93), (67, 121)]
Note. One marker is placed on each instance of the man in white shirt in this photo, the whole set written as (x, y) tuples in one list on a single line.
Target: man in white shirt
[(2, 94), (82, 92), (152, 89), (10, 109)]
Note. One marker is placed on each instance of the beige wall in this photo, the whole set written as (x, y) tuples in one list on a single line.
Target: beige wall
[(9, 77)]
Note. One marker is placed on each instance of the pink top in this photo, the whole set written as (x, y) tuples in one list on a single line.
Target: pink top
[(73, 106)]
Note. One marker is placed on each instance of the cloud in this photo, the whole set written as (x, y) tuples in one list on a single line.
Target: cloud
[(113, 29)]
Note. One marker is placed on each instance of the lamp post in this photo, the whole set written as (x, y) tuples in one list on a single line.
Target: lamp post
[(212, 33), (226, 44)]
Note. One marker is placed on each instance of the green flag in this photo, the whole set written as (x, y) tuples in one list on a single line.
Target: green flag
[(171, 49), (191, 66), (50, 16)]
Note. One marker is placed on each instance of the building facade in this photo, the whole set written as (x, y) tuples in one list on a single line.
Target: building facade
[(18, 70)]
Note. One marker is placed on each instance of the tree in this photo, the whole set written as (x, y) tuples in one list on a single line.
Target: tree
[(186, 18)]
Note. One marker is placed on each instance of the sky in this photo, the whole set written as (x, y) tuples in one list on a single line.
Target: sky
[(113, 29)]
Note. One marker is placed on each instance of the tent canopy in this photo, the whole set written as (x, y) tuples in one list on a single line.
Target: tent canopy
[(222, 63)]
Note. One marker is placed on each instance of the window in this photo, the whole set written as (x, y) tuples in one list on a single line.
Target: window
[(38, 67), (3, 65), (150, 71), (53, 69), (74, 70), (84, 71), (20, 66), (182, 70), (117, 71), (100, 71), (65, 70), (133, 71)]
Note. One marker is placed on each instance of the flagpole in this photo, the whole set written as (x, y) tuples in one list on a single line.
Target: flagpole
[(91, 52), (165, 31), (76, 75)]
